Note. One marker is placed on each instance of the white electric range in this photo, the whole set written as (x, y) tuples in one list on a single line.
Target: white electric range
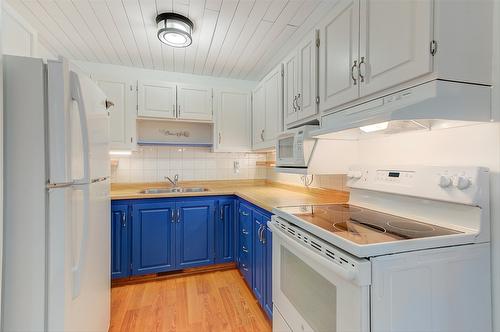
[(409, 252)]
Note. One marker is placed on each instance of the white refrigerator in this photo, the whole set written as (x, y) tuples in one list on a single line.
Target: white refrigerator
[(56, 274)]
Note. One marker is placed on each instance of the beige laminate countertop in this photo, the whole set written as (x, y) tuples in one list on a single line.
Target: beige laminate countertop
[(264, 194)]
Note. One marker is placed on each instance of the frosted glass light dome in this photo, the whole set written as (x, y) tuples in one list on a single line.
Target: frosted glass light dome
[(174, 29)]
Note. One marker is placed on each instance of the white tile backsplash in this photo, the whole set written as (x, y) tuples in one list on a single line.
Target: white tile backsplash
[(153, 163)]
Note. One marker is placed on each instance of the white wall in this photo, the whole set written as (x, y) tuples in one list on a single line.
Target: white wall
[(19, 37), (99, 70)]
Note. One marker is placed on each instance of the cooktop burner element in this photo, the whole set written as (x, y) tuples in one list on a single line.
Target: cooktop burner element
[(365, 226)]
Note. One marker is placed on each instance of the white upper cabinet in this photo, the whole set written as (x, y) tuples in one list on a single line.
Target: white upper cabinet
[(290, 88), (258, 115), (338, 55), (273, 85), (267, 115), (123, 113), (373, 47), (232, 113), (394, 42), (307, 80), (301, 82), (157, 99), (194, 103)]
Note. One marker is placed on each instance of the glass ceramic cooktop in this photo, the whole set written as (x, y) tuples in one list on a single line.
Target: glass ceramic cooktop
[(365, 226)]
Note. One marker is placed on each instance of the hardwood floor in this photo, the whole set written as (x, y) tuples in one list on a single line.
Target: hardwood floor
[(213, 301)]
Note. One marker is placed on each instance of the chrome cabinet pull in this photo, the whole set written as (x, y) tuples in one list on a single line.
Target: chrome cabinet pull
[(262, 135), (222, 213), (174, 109), (178, 215), (220, 137), (244, 267), (297, 102), (294, 103), (173, 216), (354, 66), (361, 76), (244, 249), (124, 220), (263, 236), (244, 213), (179, 112), (244, 231)]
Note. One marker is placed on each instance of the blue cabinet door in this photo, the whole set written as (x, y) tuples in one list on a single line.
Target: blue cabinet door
[(153, 237), (245, 242), (268, 298), (259, 256), (225, 232), (195, 233), (120, 250)]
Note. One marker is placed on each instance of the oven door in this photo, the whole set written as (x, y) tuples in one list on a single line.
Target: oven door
[(313, 293)]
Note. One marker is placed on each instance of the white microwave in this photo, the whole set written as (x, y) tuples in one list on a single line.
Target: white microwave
[(295, 147)]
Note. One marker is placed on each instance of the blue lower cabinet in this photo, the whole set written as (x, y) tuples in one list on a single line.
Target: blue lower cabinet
[(120, 249), (259, 256), (153, 237), (225, 232), (245, 242), (255, 252), (195, 233), (268, 297)]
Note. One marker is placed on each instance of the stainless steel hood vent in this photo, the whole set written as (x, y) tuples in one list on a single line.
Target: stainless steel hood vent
[(433, 105)]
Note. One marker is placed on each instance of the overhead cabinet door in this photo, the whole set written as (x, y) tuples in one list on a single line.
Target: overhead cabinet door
[(232, 109), (194, 103), (394, 42), (338, 55), (259, 115), (156, 99), (307, 78), (290, 89), (273, 85), (123, 113)]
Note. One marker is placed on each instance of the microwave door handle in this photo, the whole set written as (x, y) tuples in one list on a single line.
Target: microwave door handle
[(76, 95), (348, 275)]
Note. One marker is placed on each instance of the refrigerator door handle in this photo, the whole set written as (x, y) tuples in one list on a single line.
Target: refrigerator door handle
[(76, 95), (59, 185), (79, 256)]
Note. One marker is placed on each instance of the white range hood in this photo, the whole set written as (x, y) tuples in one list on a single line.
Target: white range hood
[(432, 105)]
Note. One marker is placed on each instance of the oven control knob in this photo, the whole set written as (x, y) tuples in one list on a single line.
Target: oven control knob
[(444, 181), (461, 182)]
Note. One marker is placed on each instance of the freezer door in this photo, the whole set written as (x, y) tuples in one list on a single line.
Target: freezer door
[(58, 114), (89, 130), (79, 245)]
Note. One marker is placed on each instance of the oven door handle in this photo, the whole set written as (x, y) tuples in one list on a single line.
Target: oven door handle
[(348, 275)]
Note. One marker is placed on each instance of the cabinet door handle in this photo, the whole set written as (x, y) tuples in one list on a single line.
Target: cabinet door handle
[(178, 215), (245, 232), (244, 249), (293, 103), (262, 135), (354, 66), (222, 213), (244, 267), (244, 213), (179, 111), (259, 232), (361, 76), (297, 102), (174, 109), (173, 216), (220, 137), (124, 220), (263, 234)]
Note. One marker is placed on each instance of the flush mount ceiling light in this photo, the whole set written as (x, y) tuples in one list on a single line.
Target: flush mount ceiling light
[(174, 29)]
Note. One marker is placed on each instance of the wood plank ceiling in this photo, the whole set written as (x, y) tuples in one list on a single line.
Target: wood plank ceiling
[(237, 39)]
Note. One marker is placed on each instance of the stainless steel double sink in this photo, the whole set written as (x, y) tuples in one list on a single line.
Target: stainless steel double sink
[(173, 190)]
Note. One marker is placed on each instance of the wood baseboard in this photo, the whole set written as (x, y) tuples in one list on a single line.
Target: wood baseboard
[(171, 274)]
